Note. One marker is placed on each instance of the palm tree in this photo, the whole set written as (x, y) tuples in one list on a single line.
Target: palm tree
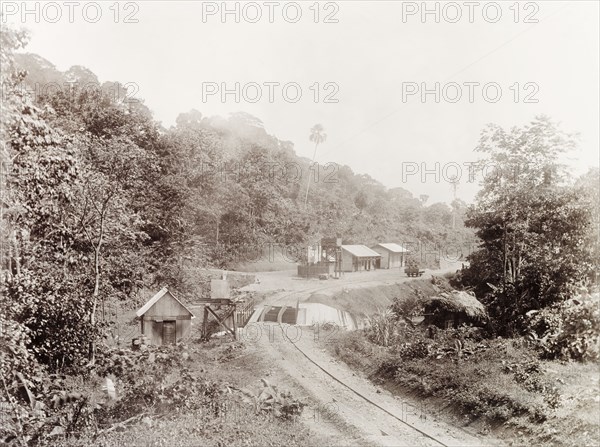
[(454, 181), (317, 136)]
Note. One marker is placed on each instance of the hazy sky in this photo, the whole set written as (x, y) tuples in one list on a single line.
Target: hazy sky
[(374, 53)]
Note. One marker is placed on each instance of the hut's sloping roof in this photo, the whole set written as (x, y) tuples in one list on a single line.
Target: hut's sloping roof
[(394, 248), (459, 301), (146, 307), (361, 251)]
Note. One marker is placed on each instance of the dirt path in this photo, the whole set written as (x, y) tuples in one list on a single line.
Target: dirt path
[(350, 412), (347, 416), (283, 287)]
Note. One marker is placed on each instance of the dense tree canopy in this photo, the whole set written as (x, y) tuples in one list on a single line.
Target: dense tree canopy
[(532, 224)]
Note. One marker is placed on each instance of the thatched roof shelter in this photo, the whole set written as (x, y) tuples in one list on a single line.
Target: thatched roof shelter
[(457, 303)]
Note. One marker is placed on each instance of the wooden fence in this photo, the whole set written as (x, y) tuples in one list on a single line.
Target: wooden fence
[(243, 312), (314, 270)]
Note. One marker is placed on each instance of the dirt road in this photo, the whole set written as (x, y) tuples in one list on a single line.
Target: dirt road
[(284, 287), (350, 409)]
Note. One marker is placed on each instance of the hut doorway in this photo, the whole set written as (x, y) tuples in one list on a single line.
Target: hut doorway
[(169, 332)]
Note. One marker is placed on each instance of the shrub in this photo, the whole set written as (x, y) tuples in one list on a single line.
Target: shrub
[(409, 306), (529, 375), (55, 315), (269, 401), (570, 330), (415, 350)]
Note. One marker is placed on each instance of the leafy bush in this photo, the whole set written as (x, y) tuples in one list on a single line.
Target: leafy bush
[(268, 400), (415, 350), (55, 314), (51, 405), (409, 306), (14, 355), (570, 330)]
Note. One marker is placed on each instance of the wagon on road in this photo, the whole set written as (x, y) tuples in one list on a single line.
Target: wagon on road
[(413, 270)]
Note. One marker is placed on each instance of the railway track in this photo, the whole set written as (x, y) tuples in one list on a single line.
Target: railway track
[(365, 398), (440, 434), (357, 393)]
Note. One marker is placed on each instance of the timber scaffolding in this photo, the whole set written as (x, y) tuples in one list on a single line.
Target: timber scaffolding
[(237, 313)]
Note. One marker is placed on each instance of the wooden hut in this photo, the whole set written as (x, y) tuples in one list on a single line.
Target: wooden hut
[(356, 258), (451, 309), (164, 319), (323, 258), (392, 255)]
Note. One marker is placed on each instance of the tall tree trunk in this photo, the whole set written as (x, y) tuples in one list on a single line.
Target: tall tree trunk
[(17, 253), (505, 257), (96, 283), (95, 299), (10, 251), (97, 250), (309, 175)]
